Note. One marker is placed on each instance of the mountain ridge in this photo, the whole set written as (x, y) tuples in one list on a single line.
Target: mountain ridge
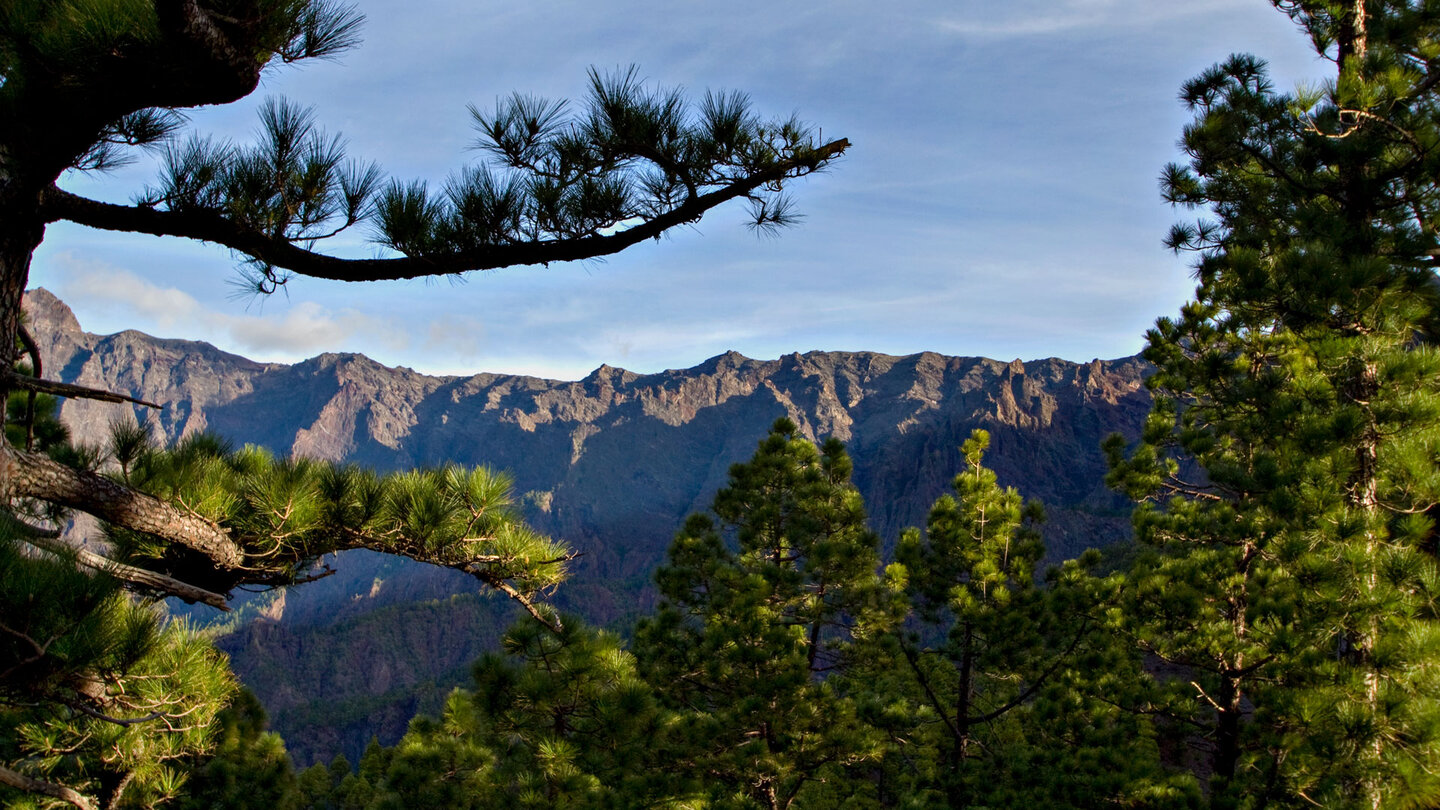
[(611, 463)]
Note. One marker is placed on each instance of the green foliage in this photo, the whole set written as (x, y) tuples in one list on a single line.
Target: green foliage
[(738, 647), (97, 691), (573, 724), (1291, 450), (1002, 693), (247, 769), (141, 697), (970, 578), (59, 623), (560, 719), (980, 549), (286, 513), (66, 35)]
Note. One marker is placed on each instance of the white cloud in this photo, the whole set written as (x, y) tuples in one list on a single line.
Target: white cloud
[(309, 327), (459, 339), (300, 330), (1049, 18)]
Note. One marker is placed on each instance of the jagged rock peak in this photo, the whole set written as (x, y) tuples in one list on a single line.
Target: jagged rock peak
[(327, 359), (729, 361), (42, 305)]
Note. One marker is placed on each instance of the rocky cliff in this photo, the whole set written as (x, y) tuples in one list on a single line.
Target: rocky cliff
[(611, 463)]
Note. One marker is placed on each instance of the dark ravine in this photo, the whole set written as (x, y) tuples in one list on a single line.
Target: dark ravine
[(611, 463)]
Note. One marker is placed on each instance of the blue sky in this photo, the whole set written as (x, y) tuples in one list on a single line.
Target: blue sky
[(1000, 198)]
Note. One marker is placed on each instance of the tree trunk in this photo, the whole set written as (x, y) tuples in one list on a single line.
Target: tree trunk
[(21, 231), (959, 791), (1227, 734), (1360, 387), (1363, 494), (1229, 720)]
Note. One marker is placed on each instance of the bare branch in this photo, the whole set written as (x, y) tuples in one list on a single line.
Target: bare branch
[(61, 389), (503, 585), (119, 721), (326, 572), (20, 781), (27, 341), (941, 710), (137, 576)]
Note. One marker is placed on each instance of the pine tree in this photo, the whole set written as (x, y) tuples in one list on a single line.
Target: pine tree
[(1293, 443), (973, 572), (558, 719), (1004, 679), (248, 769), (571, 721), (756, 611), (83, 83)]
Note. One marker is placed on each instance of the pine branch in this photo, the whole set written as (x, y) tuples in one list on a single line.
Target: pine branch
[(941, 710), (477, 566), (503, 585), (28, 784), (31, 475), (1040, 681), (212, 226), (132, 574), (72, 391)]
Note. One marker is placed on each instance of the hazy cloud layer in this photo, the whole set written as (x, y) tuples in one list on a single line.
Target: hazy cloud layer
[(284, 332), (1052, 18)]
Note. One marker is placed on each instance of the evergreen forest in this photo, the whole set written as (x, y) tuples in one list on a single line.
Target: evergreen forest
[(1269, 639)]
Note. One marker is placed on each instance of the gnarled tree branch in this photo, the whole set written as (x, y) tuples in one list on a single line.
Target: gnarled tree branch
[(31, 475), (212, 226), (134, 575), (20, 781), (61, 389)]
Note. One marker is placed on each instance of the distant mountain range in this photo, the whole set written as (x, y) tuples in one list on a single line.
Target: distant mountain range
[(611, 464)]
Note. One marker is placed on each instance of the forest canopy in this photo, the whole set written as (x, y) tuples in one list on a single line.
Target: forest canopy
[(1269, 640)]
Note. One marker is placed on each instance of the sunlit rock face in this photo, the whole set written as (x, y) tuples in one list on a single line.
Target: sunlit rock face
[(611, 463)]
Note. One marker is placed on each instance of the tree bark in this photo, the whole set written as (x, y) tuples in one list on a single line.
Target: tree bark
[(20, 781), (31, 475), (1363, 495)]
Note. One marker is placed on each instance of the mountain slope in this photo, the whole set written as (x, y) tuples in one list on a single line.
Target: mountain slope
[(611, 463)]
